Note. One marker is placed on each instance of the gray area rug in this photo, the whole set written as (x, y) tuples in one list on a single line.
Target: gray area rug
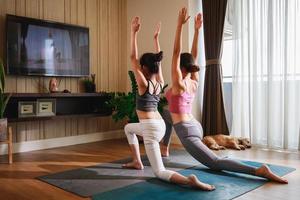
[(92, 180)]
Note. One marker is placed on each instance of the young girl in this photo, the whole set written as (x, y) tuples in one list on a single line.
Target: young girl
[(151, 127), (180, 98)]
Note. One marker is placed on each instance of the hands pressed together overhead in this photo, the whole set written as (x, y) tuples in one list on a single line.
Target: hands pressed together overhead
[(157, 30), (135, 24)]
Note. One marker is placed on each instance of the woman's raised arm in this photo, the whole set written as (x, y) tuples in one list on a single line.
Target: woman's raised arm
[(135, 27), (159, 76), (176, 72), (194, 51)]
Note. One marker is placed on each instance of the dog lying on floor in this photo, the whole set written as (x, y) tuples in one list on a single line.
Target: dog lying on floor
[(220, 142)]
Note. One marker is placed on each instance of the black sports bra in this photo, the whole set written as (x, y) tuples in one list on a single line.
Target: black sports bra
[(147, 101)]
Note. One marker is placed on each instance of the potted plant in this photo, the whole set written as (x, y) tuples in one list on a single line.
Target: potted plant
[(89, 84), (123, 105), (3, 102)]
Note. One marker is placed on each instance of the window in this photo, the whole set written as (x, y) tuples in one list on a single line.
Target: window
[(227, 64)]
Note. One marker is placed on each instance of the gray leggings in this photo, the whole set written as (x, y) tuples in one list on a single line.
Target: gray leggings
[(190, 134)]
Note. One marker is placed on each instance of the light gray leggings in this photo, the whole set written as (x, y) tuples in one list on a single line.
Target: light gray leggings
[(152, 131), (190, 134)]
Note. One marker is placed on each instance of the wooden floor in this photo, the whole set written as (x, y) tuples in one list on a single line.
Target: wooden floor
[(17, 181)]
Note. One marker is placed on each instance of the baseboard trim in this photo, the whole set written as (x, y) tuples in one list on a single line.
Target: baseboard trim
[(62, 141)]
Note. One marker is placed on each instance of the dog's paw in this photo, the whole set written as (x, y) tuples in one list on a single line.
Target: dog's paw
[(222, 148), (242, 147), (214, 148), (236, 147)]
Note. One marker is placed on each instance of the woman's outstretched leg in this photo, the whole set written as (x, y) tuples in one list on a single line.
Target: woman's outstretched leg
[(131, 130), (265, 171), (189, 134)]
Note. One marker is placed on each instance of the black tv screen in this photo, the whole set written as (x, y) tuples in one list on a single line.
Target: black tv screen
[(39, 47)]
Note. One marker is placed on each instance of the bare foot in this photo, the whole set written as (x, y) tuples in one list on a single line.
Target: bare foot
[(133, 165), (194, 182), (164, 150), (264, 171)]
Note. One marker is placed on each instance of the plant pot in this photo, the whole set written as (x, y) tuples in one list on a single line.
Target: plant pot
[(3, 129), (90, 87)]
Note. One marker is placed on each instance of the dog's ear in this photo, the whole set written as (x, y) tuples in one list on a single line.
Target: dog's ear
[(247, 140), (240, 140)]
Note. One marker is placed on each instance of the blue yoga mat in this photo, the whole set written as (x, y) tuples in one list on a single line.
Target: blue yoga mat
[(229, 185)]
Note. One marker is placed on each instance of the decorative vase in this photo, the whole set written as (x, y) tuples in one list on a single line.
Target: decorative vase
[(53, 85), (3, 129)]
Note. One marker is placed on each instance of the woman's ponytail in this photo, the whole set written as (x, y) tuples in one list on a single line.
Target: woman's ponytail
[(188, 63), (151, 61), (158, 57)]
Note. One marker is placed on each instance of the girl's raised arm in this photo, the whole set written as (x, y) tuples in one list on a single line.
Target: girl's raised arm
[(194, 52), (176, 72), (159, 76), (140, 78)]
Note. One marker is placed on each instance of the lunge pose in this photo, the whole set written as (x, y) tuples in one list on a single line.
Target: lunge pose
[(180, 98), (151, 127)]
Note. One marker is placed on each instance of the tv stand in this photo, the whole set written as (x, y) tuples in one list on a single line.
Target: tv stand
[(67, 105)]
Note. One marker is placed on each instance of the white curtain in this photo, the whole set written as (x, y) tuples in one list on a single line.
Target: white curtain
[(266, 72), (195, 7)]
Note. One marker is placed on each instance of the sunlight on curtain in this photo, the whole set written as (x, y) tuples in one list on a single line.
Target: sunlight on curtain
[(196, 7), (266, 72)]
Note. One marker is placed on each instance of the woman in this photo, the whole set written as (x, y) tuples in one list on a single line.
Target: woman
[(180, 98), (151, 127)]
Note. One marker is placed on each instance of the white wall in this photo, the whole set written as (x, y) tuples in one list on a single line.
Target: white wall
[(166, 11), (151, 12)]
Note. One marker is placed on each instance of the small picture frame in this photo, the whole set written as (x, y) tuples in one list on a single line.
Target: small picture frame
[(26, 109), (46, 107)]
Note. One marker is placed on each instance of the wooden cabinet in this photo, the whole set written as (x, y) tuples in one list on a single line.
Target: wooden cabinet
[(67, 105)]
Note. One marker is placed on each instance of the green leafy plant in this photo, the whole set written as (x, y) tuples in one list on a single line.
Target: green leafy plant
[(123, 104), (89, 84), (3, 96), (163, 100)]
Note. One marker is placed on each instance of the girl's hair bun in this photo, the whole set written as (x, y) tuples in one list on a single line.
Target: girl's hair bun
[(158, 56), (194, 68)]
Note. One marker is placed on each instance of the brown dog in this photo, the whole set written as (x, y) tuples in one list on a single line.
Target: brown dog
[(218, 142)]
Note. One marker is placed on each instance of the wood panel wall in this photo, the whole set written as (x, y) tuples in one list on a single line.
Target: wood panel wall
[(106, 20)]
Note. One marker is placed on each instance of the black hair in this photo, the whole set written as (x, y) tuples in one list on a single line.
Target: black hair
[(188, 63), (151, 61)]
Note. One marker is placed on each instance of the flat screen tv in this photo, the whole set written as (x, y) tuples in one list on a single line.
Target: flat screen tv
[(44, 48)]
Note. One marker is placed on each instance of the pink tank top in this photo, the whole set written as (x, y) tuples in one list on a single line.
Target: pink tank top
[(180, 104)]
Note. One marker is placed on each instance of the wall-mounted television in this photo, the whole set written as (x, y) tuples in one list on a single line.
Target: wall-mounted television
[(44, 48)]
